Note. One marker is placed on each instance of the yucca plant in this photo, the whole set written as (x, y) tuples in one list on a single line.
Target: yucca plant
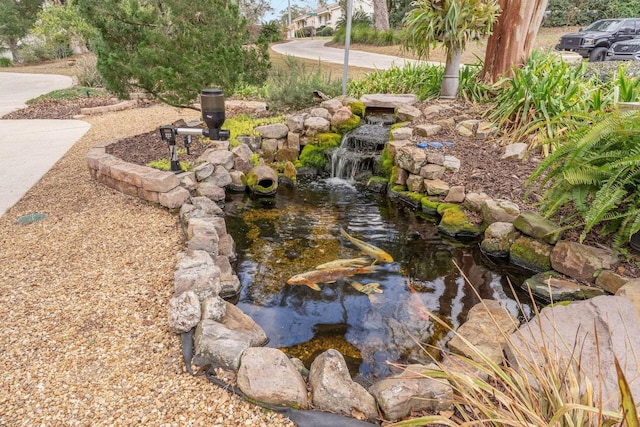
[(595, 171)]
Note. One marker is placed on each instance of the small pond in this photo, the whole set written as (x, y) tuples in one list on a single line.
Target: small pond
[(298, 229)]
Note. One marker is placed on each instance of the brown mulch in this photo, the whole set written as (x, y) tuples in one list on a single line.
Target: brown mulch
[(59, 108)]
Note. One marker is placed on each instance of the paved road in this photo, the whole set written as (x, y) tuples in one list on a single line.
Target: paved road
[(316, 49), (28, 148)]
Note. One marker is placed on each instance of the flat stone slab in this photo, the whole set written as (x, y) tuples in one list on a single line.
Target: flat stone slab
[(384, 100)]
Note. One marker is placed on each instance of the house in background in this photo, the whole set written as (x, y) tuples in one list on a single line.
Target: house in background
[(326, 16)]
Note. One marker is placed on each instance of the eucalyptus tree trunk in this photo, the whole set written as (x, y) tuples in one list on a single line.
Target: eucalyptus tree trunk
[(380, 15), (513, 35), (451, 79)]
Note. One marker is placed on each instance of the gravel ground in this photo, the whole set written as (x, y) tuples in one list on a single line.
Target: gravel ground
[(83, 304)]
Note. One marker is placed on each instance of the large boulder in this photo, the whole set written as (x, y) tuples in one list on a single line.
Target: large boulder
[(335, 391), (267, 375), (586, 337), (218, 346), (412, 391), (483, 334), (582, 262)]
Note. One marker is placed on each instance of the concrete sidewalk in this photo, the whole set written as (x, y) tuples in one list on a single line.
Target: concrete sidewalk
[(28, 148)]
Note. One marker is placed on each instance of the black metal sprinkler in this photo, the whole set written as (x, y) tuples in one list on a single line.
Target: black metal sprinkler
[(213, 114)]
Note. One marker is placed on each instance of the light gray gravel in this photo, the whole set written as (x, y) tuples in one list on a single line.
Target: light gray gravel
[(83, 304)]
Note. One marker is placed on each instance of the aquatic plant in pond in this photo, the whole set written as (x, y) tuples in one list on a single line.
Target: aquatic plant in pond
[(300, 230)]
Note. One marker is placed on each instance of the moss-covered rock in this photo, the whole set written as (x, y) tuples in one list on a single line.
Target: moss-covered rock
[(314, 156), (328, 140), (377, 184), (386, 162), (358, 108), (411, 198), (444, 206), (553, 286), (395, 190), (531, 254), (430, 207), (347, 125), (455, 223)]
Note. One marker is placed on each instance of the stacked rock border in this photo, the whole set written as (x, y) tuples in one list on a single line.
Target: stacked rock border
[(224, 337)]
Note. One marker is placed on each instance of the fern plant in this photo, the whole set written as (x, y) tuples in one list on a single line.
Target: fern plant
[(595, 172)]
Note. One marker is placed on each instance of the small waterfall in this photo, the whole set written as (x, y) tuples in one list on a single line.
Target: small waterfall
[(359, 150)]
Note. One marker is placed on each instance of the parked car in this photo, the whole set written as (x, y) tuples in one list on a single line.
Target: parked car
[(594, 41), (627, 50)]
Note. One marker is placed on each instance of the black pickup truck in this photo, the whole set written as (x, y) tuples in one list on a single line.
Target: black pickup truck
[(594, 41)]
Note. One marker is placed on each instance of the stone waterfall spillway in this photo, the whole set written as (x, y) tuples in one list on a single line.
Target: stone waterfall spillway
[(359, 150)]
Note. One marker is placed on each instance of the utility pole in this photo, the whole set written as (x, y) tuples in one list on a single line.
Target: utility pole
[(289, 29), (347, 44)]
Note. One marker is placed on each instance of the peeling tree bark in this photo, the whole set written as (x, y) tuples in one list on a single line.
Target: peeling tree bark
[(513, 35)]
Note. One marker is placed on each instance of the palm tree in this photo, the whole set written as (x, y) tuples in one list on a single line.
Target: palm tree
[(451, 23)]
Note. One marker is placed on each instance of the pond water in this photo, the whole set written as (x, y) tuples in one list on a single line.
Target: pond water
[(298, 229)]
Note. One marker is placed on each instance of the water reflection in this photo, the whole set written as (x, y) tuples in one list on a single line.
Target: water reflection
[(299, 230)]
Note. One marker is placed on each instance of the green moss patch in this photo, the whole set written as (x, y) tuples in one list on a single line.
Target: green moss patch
[(328, 140), (347, 125), (314, 156), (455, 223), (358, 108)]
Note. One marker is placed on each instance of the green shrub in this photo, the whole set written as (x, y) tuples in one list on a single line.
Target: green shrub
[(271, 32), (40, 52), (363, 32), (291, 87), (358, 17), (324, 31), (471, 87), (5, 62)]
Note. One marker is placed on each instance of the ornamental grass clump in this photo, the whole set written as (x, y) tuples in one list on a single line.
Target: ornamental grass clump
[(291, 86), (532, 105), (550, 392), (422, 80)]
